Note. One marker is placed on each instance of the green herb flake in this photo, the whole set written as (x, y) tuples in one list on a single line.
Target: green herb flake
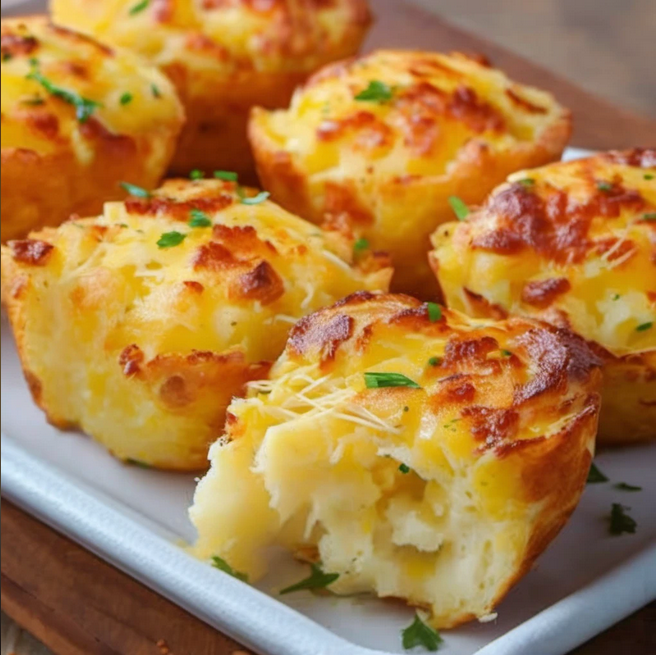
[(360, 246), (377, 91), (649, 216), (595, 475), (222, 565), (316, 580), (154, 89), (33, 102), (620, 521), (648, 176), (227, 176), (199, 219), (196, 174), (378, 380), (604, 186), (434, 361), (615, 296), (126, 98), (434, 312), (420, 634), (506, 353), (135, 190), (170, 239), (253, 200), (6, 56), (459, 207), (406, 409), (138, 463), (404, 468), (644, 326), (139, 7), (623, 486), (527, 182), (84, 107)]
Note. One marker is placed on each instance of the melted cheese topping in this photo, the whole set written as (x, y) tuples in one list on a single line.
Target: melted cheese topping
[(438, 103), (573, 243), (34, 118), (225, 37)]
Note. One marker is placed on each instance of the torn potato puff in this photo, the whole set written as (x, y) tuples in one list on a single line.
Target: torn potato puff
[(574, 244), (421, 455), (381, 144), (140, 325), (77, 118), (225, 57)]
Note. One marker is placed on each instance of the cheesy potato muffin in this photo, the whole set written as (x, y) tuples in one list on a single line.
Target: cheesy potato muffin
[(413, 451), (382, 145), (140, 325), (574, 244), (225, 56), (77, 118)]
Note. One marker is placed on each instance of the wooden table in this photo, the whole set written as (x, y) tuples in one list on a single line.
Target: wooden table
[(77, 604)]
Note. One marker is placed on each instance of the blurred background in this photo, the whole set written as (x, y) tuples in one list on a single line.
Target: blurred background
[(605, 46)]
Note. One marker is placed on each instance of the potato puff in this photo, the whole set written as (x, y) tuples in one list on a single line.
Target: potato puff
[(140, 325)]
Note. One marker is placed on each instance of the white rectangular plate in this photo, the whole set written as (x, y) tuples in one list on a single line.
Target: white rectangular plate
[(137, 519)]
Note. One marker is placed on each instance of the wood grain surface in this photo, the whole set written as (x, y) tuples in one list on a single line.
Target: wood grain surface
[(77, 604)]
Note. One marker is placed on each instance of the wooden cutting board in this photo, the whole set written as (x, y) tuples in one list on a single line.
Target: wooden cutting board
[(79, 605)]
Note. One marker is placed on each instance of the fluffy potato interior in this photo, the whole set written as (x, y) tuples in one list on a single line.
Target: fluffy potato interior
[(139, 328), (442, 494), (574, 244)]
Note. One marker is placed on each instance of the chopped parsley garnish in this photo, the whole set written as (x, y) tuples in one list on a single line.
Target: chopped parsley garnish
[(33, 102), (527, 181), (595, 475), (135, 190), (420, 634), (506, 353), (316, 580), (360, 246), (139, 7), (451, 425), (648, 176), (378, 380), (604, 186), (623, 486), (83, 106), (171, 239), (620, 521), (199, 219), (459, 207), (434, 361), (126, 98), (222, 565), (406, 409), (196, 174), (6, 56), (644, 326), (404, 468), (154, 89), (615, 296), (377, 91), (252, 200), (650, 216), (434, 312), (137, 462), (227, 176)]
